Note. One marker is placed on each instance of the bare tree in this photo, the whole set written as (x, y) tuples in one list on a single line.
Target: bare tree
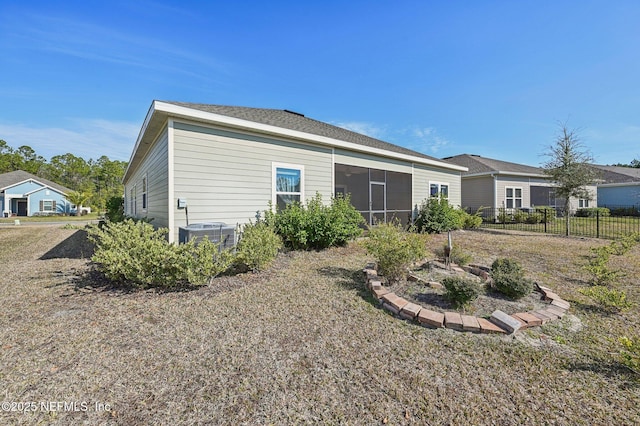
[(569, 167)]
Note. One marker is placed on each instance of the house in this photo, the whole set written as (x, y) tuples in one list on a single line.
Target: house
[(619, 187), (24, 194), (214, 163), (501, 184)]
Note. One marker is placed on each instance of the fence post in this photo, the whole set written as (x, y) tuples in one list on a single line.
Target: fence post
[(597, 223), (545, 219)]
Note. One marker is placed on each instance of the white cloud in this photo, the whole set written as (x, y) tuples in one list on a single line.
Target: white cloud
[(426, 139), (86, 40), (82, 138), (363, 128)]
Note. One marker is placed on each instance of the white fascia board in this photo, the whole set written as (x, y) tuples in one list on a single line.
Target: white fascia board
[(143, 129), (612, 185), (498, 172), (18, 183), (42, 188), (185, 112)]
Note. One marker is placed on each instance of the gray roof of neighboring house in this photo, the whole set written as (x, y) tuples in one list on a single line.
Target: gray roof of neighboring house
[(12, 178), (617, 174), (296, 121), (481, 165)]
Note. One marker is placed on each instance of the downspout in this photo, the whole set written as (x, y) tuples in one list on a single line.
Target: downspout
[(495, 191)]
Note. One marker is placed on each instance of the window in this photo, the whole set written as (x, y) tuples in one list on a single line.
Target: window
[(513, 198), (288, 184), (438, 190), (47, 206), (583, 203), (144, 193)]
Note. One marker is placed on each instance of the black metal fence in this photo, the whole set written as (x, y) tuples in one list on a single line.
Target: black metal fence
[(602, 222)]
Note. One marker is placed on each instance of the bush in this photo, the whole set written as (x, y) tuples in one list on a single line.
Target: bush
[(625, 211), (631, 353), (459, 291), (457, 255), (508, 279), (115, 209), (135, 253), (534, 218), (598, 267), (622, 245), (520, 216), (504, 216), (608, 299), (437, 215), (471, 221), (547, 213), (258, 247), (317, 226), (394, 249), (593, 212)]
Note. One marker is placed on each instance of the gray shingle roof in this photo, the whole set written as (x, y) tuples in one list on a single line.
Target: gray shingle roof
[(12, 178), (617, 174), (477, 164), (295, 121)]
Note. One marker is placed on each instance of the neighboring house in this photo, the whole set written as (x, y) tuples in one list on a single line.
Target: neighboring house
[(501, 184), (619, 187), (24, 194), (212, 163)]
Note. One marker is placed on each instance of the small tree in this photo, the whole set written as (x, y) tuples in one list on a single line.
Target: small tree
[(569, 168), (78, 198)]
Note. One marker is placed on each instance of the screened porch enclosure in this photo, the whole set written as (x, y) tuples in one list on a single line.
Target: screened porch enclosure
[(379, 195)]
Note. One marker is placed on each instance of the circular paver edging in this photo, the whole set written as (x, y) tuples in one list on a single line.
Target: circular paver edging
[(499, 322)]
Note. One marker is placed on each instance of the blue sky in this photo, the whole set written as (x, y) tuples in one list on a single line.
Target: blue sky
[(492, 78)]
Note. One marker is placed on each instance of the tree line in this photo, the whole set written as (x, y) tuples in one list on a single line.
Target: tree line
[(98, 180), (634, 163)]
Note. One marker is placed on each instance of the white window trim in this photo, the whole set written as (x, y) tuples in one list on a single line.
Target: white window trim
[(47, 201), (447, 184), (274, 170), (145, 192), (514, 198), (134, 200)]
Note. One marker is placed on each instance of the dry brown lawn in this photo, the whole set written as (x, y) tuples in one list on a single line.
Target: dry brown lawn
[(300, 343)]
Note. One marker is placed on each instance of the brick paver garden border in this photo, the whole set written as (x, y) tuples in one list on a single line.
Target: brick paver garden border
[(499, 322)]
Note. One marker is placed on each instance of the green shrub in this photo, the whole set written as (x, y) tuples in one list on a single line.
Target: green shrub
[(608, 299), (394, 249), (593, 212), (471, 221), (622, 245), (459, 291), (547, 213), (317, 226), (520, 216), (508, 279), (437, 215), (534, 218), (135, 253), (115, 209), (599, 269), (457, 256), (630, 353), (504, 215), (258, 247)]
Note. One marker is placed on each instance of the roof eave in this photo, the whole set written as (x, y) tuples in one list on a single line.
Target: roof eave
[(611, 185), (179, 111), (504, 173)]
